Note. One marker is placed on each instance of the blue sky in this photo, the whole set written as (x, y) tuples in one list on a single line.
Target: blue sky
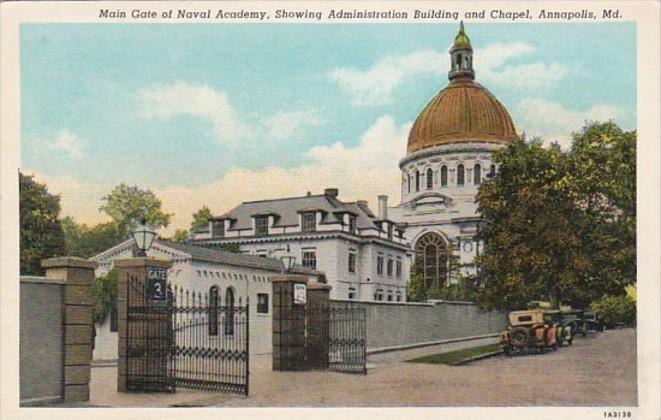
[(218, 114)]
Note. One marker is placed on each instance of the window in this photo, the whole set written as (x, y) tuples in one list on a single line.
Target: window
[(389, 231), (352, 262), (477, 174), (417, 180), (229, 311), (389, 267), (379, 264), (430, 179), (309, 221), (409, 182), (352, 295), (492, 170), (444, 176), (460, 174), (113, 315), (218, 228), (261, 225), (310, 259), (262, 303), (352, 224), (398, 268), (399, 297), (213, 310), (431, 259), (389, 298)]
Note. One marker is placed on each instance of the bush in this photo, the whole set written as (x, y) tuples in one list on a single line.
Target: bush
[(105, 294), (616, 310)]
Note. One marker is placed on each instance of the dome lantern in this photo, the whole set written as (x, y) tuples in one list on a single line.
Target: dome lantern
[(461, 57)]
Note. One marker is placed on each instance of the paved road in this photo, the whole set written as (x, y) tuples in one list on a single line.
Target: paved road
[(597, 370)]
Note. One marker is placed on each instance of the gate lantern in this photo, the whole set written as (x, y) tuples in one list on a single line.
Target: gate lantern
[(144, 236)]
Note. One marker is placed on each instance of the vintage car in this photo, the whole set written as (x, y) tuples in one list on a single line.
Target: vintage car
[(581, 321), (566, 328), (528, 330)]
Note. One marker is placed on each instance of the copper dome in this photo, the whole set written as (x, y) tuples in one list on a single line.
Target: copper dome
[(462, 112)]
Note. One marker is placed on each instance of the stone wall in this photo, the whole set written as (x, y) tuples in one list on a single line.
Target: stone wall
[(398, 324), (41, 346)]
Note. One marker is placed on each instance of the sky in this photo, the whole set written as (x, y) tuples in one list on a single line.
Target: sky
[(220, 114)]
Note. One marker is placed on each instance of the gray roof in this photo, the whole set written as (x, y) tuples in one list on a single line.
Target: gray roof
[(226, 257), (286, 211)]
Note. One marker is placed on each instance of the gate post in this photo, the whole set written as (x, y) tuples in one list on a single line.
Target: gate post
[(288, 323), (318, 325), (78, 276), (151, 375)]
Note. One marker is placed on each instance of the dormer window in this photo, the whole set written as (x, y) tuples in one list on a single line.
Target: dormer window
[(218, 228), (309, 221), (261, 225), (389, 231), (352, 224)]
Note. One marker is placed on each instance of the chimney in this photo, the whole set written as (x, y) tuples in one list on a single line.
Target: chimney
[(331, 192), (383, 207)]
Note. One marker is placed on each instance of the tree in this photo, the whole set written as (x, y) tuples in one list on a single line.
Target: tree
[(105, 295), (83, 241), (41, 234), (201, 219), (560, 226), (416, 291), (180, 235), (531, 241), (128, 205)]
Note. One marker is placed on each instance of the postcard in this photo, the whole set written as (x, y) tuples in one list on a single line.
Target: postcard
[(268, 208)]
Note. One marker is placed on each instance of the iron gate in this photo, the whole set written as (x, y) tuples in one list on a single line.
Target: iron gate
[(211, 342), (148, 340), (187, 340), (336, 337)]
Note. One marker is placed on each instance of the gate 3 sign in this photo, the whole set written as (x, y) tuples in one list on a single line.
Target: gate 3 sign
[(156, 284)]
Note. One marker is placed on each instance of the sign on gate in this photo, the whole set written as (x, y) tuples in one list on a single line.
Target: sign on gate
[(300, 294), (156, 284)]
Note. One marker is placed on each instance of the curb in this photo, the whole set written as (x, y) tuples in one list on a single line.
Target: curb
[(378, 350), (479, 357)]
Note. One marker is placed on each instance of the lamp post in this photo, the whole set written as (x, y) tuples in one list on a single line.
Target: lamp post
[(288, 261), (144, 236)]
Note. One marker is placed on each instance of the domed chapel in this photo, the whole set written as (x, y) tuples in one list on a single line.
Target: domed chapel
[(448, 156)]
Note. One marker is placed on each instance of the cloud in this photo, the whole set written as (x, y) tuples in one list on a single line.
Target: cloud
[(375, 85), (490, 66), (360, 172), (68, 143), (166, 101), (553, 122), (283, 125)]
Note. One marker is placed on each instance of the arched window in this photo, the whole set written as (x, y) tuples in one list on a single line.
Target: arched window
[(460, 174), (458, 61), (213, 310), (431, 259), (409, 182), (430, 179), (444, 176), (417, 181), (492, 170), (229, 311), (477, 174)]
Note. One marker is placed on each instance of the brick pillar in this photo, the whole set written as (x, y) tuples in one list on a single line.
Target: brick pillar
[(318, 324), (78, 276), (145, 330), (288, 324)]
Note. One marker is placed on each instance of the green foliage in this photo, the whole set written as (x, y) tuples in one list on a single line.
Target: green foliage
[(415, 290), (458, 357), (41, 234), (616, 310), (559, 226), (201, 219), (180, 235), (105, 293), (128, 205), (83, 241), (466, 289)]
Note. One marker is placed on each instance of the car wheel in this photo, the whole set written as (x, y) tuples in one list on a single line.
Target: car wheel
[(520, 336)]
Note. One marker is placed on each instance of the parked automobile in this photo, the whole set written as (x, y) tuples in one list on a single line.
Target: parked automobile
[(565, 327), (528, 330)]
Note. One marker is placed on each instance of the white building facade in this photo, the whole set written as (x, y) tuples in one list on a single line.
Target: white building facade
[(448, 158), (363, 256), (244, 279)]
